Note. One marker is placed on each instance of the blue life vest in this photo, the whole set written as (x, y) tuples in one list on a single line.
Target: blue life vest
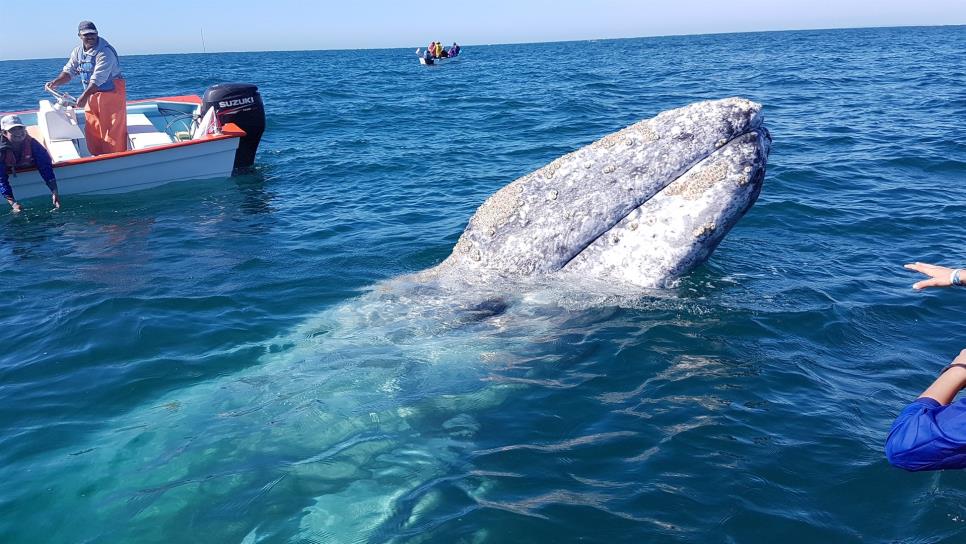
[(86, 68)]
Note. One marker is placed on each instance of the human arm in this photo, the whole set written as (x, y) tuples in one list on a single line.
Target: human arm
[(64, 77), (6, 190), (950, 382), (65, 74), (939, 276), (85, 96), (930, 433), (45, 167)]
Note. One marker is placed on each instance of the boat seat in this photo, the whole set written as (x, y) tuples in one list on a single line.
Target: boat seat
[(63, 150), (143, 134), (34, 132), (58, 132)]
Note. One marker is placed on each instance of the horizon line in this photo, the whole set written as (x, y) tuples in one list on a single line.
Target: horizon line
[(526, 43)]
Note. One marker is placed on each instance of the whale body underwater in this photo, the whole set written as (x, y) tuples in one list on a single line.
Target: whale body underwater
[(359, 424)]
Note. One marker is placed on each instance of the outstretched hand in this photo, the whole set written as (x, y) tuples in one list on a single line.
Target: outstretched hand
[(939, 276)]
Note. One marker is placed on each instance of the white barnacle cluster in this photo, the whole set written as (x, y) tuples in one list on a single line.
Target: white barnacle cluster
[(704, 230)]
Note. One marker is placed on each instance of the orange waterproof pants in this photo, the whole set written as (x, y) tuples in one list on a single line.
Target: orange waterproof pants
[(106, 120)]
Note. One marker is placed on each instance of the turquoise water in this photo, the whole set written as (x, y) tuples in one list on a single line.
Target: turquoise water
[(208, 362)]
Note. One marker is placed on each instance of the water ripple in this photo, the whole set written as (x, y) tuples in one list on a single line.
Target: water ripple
[(197, 360)]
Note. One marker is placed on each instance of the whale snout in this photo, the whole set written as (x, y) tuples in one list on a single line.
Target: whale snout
[(619, 207)]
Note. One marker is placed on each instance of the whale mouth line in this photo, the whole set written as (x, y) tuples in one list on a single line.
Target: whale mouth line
[(755, 125)]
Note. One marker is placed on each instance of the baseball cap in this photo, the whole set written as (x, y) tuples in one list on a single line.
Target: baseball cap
[(86, 27), (10, 121)]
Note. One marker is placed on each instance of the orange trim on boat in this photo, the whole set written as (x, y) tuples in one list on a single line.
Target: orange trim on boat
[(230, 130), (186, 99), (17, 112), (189, 98)]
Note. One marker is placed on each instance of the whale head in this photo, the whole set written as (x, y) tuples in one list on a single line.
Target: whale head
[(638, 208)]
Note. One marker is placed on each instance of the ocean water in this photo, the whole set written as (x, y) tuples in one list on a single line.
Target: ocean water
[(208, 362)]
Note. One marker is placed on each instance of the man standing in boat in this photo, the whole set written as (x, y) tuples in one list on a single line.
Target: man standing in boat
[(104, 98)]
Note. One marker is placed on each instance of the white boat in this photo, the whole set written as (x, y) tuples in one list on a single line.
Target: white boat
[(170, 139), (432, 61)]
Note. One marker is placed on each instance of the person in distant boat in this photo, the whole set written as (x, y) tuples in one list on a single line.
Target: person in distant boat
[(19, 151), (105, 95), (454, 50), (431, 49), (930, 433), (438, 50)]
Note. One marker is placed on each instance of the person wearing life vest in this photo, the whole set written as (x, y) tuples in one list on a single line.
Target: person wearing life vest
[(18, 151), (438, 50), (455, 50), (105, 95)]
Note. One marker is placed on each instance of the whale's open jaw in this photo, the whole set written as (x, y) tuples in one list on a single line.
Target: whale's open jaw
[(726, 163), (678, 228), (697, 168)]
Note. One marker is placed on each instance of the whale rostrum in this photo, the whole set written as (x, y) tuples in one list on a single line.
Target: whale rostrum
[(641, 206)]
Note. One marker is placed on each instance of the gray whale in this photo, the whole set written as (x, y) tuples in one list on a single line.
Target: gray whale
[(639, 207), (348, 427)]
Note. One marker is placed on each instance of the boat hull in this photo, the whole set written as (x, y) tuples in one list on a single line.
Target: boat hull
[(155, 157), (434, 61), (132, 172)]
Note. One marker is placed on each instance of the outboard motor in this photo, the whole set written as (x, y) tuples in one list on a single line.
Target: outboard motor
[(241, 104)]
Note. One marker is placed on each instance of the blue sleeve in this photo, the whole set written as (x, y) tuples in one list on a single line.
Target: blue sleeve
[(928, 436), (5, 188), (44, 164)]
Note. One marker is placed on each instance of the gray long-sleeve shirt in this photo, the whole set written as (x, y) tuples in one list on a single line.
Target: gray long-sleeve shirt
[(99, 65)]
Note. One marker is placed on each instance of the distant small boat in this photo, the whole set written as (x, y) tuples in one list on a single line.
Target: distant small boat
[(431, 61), (169, 139)]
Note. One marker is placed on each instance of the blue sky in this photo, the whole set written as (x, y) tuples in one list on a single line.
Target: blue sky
[(48, 29)]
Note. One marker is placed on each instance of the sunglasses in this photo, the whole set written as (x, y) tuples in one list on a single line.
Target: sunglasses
[(17, 130), (85, 36)]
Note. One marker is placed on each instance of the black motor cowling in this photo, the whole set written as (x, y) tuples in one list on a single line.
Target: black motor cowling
[(241, 104)]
